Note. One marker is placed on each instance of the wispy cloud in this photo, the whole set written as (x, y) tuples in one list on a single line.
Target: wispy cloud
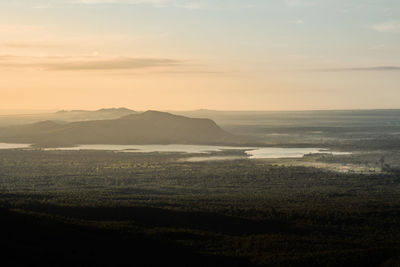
[(373, 68), (391, 27), (85, 63), (156, 3), (298, 3), (183, 4), (122, 1), (18, 44), (191, 5), (113, 64)]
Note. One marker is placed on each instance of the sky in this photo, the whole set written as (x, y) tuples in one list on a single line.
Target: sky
[(184, 55)]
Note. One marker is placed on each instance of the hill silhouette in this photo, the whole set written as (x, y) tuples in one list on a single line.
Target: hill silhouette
[(66, 116), (43, 240), (150, 127)]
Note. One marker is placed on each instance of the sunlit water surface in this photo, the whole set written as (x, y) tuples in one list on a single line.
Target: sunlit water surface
[(13, 146), (252, 152)]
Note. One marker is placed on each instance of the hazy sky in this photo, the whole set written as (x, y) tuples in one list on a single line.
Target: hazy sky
[(220, 54)]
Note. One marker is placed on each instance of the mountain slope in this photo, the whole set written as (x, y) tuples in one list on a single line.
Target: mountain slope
[(66, 116), (151, 127)]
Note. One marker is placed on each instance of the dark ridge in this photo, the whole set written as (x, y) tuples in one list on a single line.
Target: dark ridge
[(29, 239), (150, 127)]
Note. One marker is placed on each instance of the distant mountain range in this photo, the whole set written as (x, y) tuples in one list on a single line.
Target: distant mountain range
[(66, 116), (150, 127)]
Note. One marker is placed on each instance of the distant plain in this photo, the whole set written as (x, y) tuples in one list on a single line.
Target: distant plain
[(219, 205)]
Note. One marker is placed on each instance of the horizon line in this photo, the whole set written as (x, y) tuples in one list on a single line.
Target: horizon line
[(3, 112)]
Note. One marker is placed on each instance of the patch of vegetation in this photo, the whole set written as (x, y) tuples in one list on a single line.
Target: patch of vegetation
[(157, 208)]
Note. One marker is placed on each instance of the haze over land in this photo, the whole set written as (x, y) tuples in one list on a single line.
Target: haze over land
[(150, 127), (346, 130), (63, 116)]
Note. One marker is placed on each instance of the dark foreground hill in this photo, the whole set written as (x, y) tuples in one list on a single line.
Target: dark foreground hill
[(151, 127), (44, 240)]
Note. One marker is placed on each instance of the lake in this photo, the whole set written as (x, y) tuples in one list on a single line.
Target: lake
[(252, 152), (13, 146)]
